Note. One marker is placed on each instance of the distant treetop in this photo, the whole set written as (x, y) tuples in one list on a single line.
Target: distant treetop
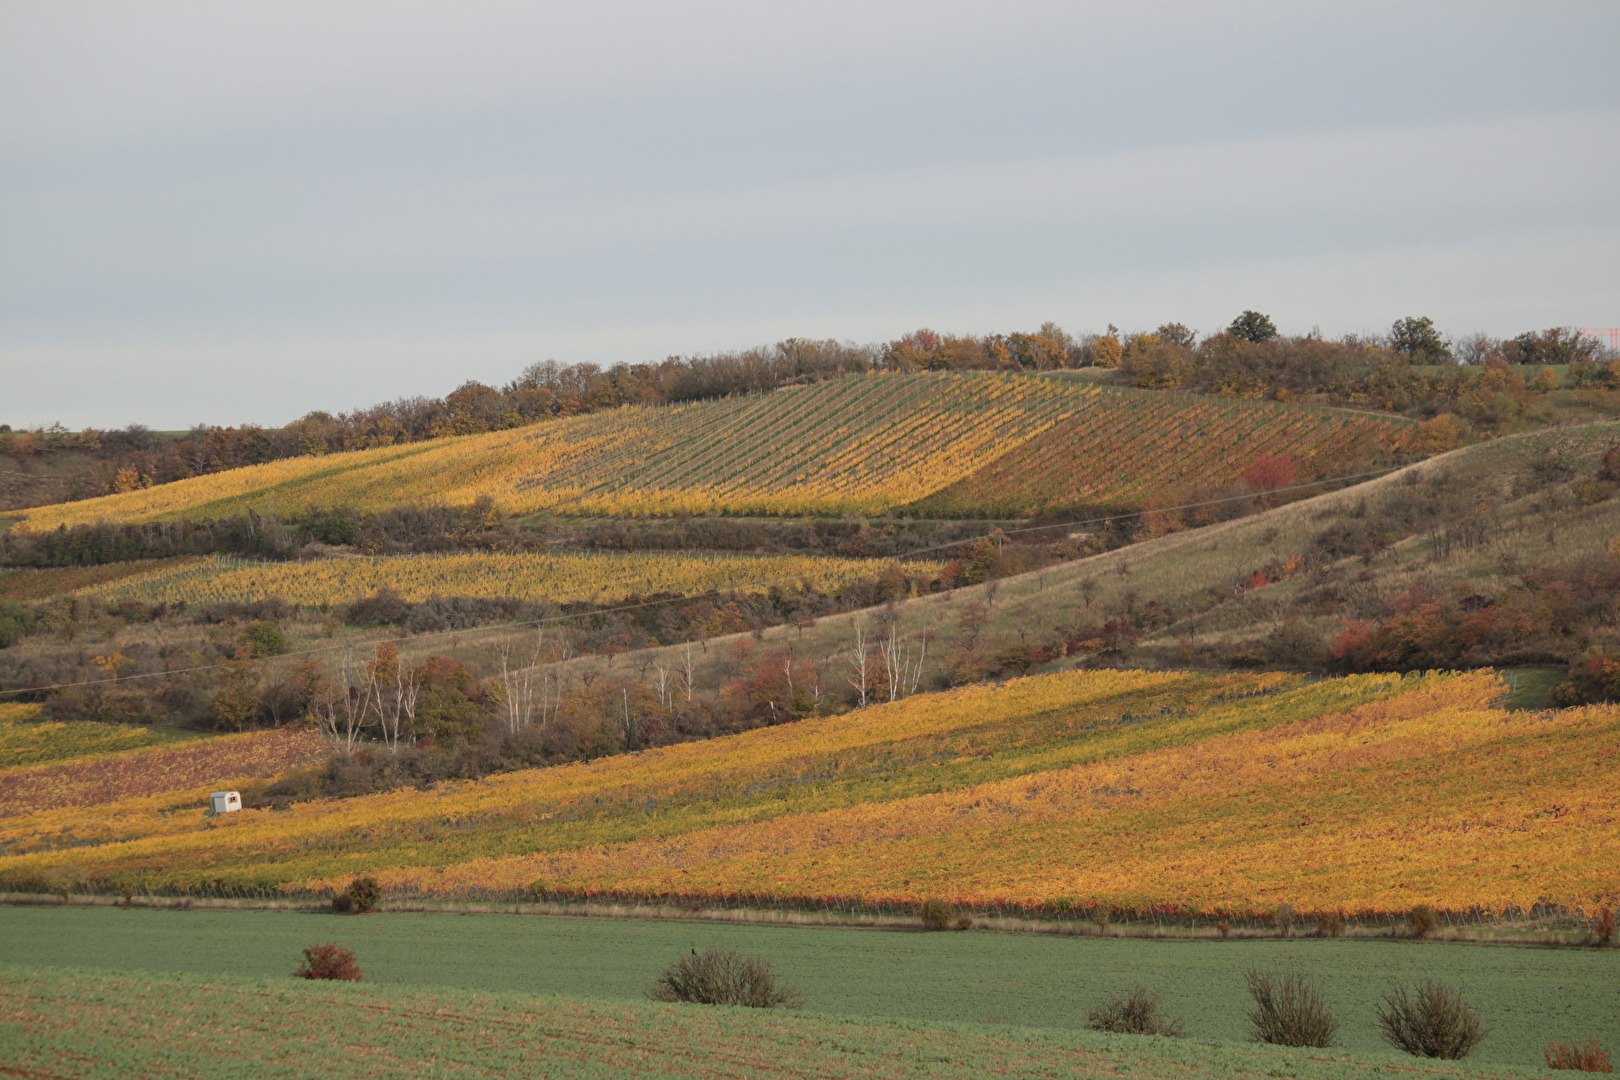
[(1253, 326)]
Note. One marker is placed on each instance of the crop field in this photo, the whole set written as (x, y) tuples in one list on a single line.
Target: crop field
[(1130, 790), (602, 577), (113, 1025), (862, 444), (157, 777), (27, 741), (1526, 995)]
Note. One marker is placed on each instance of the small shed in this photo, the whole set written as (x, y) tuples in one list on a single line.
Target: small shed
[(223, 802)]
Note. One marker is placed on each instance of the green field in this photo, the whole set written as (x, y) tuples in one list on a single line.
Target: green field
[(1526, 995), (105, 1026)]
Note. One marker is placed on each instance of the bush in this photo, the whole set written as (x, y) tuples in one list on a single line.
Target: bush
[(1330, 925), (723, 977), (328, 962), (1133, 1013), (364, 893), (342, 903), (1283, 919), (936, 915), (1434, 1022), (1421, 920), (1289, 1010), (1603, 927), (1589, 1058)]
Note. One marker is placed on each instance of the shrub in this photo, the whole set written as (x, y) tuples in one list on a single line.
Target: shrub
[(936, 915), (1433, 1022), (1283, 919), (723, 977), (1589, 1058), (1289, 1010), (364, 893), (1603, 926), (1330, 925), (342, 903), (328, 962), (1132, 1013), (1421, 920), (1224, 928)]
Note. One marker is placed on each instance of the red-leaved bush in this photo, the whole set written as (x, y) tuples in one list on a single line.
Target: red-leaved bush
[(328, 961), (1589, 1058)]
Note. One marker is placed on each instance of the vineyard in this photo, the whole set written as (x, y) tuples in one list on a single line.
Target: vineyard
[(158, 777), (31, 585), (568, 578), (1133, 790), (857, 445), (27, 741), (1162, 448)]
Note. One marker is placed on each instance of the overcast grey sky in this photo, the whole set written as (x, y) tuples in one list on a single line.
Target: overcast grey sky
[(228, 212)]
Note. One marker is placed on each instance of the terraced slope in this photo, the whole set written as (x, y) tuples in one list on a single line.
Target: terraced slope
[(863, 444), (1132, 790)]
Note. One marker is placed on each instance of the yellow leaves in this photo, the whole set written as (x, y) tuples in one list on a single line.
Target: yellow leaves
[(1128, 788), (601, 577)]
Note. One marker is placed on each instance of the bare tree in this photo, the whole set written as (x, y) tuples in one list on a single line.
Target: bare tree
[(858, 665), (686, 673)]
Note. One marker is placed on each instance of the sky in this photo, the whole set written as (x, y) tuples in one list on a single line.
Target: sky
[(241, 212)]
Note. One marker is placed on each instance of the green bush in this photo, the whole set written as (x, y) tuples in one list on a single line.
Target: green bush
[(936, 915), (722, 977), (364, 894), (1433, 1021), (1421, 920)]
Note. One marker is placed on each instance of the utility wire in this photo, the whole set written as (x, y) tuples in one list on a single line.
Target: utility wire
[(548, 620)]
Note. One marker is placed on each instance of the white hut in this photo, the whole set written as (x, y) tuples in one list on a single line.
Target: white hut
[(223, 802)]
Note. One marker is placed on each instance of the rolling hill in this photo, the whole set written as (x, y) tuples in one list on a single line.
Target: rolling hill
[(946, 444), (1133, 791)]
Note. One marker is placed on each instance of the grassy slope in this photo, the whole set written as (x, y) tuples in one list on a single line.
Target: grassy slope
[(855, 445), (1527, 995)]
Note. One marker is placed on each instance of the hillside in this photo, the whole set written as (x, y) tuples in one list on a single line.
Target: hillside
[(1125, 790), (1507, 526), (857, 445)]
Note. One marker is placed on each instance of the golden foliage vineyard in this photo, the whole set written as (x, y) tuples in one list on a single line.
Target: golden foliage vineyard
[(25, 740), (568, 578), (1232, 792), (861, 444)]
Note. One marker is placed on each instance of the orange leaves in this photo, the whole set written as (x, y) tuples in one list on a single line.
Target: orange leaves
[(107, 778), (1238, 792)]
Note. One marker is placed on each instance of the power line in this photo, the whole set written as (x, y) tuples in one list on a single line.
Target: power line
[(617, 609)]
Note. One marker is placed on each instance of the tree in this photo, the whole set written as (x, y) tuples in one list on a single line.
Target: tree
[(1174, 333), (1416, 337), (236, 701), (1253, 326)]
